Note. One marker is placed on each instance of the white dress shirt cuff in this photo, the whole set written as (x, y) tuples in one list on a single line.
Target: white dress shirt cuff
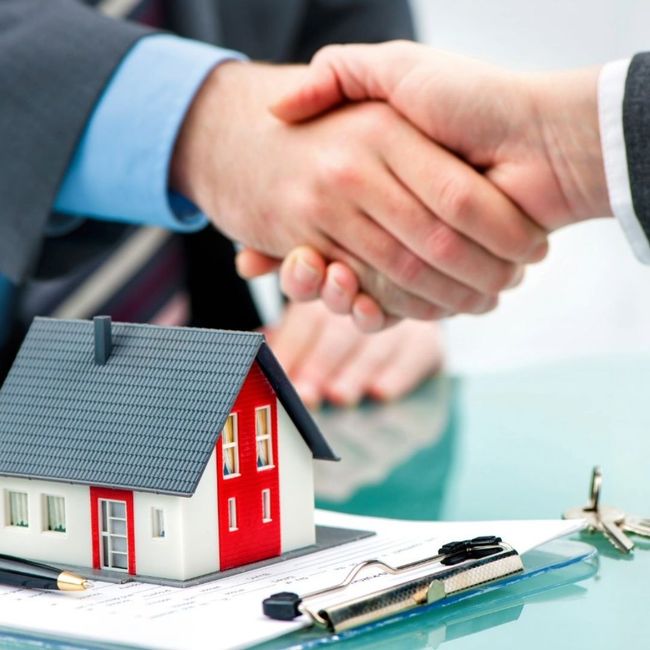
[(611, 90)]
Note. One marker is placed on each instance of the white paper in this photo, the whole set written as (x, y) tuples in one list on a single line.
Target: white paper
[(228, 612)]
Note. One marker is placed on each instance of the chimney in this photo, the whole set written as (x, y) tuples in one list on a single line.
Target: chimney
[(103, 339)]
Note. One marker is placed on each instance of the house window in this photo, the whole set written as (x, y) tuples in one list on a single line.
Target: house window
[(232, 513), (158, 522), (266, 506), (54, 514), (263, 437), (18, 513), (230, 447)]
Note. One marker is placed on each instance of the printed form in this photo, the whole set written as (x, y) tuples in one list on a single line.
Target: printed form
[(228, 612)]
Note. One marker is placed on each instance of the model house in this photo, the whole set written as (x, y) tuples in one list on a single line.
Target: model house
[(153, 451)]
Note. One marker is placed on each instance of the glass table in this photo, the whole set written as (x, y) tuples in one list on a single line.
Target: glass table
[(512, 445), (517, 445)]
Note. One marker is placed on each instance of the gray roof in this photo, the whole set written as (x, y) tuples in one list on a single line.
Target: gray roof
[(146, 420)]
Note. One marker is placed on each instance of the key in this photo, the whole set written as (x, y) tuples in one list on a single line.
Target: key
[(636, 525), (605, 519), (611, 525)]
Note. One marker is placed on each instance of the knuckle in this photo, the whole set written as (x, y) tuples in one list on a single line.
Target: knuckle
[(309, 206), (340, 172), (327, 54), (444, 245), (456, 198), (408, 269), (375, 119)]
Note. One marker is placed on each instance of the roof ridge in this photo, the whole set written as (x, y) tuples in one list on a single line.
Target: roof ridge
[(153, 326)]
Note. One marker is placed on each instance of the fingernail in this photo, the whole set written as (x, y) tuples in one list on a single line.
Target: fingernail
[(540, 252), (367, 324), (517, 278), (335, 285), (304, 272)]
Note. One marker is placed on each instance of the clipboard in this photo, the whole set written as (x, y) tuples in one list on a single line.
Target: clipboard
[(461, 581)]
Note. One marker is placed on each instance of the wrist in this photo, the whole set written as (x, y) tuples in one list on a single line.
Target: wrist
[(565, 106), (191, 156), (222, 131)]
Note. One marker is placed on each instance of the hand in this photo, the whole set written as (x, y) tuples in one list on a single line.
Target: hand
[(342, 184), (306, 276), (536, 137), (326, 356)]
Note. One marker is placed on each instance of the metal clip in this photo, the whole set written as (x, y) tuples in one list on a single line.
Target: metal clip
[(460, 565)]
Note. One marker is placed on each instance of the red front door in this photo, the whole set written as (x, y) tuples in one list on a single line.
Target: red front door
[(247, 477), (112, 529)]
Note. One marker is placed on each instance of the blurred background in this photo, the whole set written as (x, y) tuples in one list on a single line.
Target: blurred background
[(590, 297)]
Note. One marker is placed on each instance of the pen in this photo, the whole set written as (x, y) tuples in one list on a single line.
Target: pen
[(33, 575)]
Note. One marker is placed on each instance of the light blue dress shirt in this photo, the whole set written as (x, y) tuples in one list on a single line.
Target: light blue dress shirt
[(120, 168)]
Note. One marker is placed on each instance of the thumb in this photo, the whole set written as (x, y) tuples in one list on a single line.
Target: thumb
[(318, 92), (339, 73), (347, 72)]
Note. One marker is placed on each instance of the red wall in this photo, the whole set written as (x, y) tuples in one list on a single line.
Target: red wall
[(254, 540), (113, 495)]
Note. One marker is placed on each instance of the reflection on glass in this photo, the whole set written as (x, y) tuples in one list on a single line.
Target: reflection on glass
[(118, 509), (119, 561), (395, 458), (118, 527)]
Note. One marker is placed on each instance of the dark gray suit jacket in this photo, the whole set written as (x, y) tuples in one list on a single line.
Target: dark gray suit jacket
[(636, 125), (57, 56)]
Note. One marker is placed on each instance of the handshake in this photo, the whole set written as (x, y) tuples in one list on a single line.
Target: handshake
[(392, 181)]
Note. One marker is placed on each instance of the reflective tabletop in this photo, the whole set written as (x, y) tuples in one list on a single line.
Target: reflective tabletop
[(513, 445)]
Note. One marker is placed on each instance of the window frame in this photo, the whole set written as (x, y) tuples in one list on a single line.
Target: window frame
[(265, 438), (108, 536), (267, 516), (10, 510), (232, 514), (230, 445), (158, 526), (47, 510)]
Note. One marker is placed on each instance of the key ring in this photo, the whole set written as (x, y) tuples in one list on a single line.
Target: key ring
[(596, 482)]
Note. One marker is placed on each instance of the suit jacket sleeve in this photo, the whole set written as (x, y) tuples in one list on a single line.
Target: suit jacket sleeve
[(636, 126), (57, 56)]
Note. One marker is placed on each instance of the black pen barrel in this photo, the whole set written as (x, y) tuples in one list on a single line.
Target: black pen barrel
[(33, 575)]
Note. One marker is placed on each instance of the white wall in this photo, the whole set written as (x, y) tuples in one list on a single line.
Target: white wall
[(590, 296), (34, 542), (161, 557), (190, 547), (201, 524), (296, 486)]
